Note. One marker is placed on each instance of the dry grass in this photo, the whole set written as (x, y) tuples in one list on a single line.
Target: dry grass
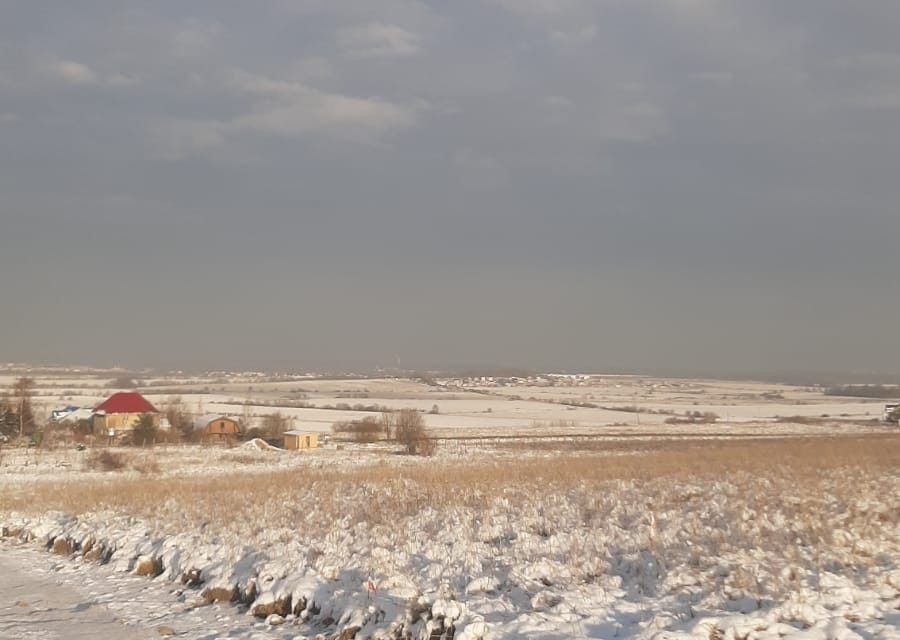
[(685, 507), (106, 460), (799, 461)]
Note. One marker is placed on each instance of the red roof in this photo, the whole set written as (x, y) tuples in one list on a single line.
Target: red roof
[(126, 402)]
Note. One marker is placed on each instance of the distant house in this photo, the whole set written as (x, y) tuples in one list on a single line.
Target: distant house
[(300, 440), (58, 414), (121, 411), (76, 416), (214, 426)]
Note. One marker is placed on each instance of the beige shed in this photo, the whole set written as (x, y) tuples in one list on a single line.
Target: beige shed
[(300, 440)]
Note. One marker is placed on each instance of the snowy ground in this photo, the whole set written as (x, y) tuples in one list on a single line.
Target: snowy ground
[(779, 520), (709, 540), (608, 401), (45, 597)]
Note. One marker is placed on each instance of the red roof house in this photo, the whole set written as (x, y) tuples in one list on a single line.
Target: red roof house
[(121, 411), (126, 402)]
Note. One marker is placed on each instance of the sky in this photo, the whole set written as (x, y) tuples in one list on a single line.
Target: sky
[(603, 185)]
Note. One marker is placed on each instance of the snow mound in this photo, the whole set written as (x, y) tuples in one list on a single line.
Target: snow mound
[(258, 444)]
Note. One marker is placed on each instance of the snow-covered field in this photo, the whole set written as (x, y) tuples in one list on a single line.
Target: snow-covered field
[(568, 508), (793, 537), (587, 405)]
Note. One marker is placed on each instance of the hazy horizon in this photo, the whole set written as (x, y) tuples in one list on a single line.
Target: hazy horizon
[(582, 186)]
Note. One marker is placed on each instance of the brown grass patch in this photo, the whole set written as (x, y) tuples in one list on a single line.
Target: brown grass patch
[(798, 461), (106, 461)]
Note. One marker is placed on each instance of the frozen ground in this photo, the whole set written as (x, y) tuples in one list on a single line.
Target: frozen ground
[(728, 540), (588, 405), (45, 597), (780, 520)]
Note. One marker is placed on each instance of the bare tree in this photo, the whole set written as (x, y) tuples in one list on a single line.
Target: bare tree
[(9, 420), (275, 424), (124, 382), (410, 429), (387, 424), (178, 417), (23, 390), (246, 418)]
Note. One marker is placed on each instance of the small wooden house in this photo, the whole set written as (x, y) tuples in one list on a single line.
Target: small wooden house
[(216, 427), (300, 440)]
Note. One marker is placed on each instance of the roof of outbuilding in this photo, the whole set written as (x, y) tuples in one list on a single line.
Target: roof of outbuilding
[(78, 414), (126, 402), (201, 422)]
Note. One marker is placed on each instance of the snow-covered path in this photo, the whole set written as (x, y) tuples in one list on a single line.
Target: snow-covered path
[(45, 597), (34, 604)]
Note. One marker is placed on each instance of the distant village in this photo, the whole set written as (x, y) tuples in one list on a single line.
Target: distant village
[(128, 418)]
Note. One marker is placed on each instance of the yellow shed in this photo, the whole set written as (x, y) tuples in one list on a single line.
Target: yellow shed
[(300, 440)]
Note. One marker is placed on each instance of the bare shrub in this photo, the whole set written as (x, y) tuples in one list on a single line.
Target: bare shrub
[(387, 424), (124, 382), (146, 464), (798, 419), (55, 435), (275, 424), (106, 460), (409, 427), (179, 419), (694, 417), (366, 430), (245, 458)]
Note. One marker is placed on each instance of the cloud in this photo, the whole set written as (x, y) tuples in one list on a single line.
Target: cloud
[(886, 100), (180, 139), (195, 40), (575, 35), (539, 8), (282, 108), (313, 111), (713, 77), (71, 72), (377, 40), (298, 108), (77, 74), (478, 170)]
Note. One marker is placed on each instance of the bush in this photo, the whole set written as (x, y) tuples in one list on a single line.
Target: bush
[(253, 433), (864, 391), (365, 430), (409, 427), (106, 460), (695, 417), (274, 425), (124, 382), (144, 432), (146, 464)]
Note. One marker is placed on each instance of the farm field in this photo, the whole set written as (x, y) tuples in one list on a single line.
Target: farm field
[(534, 518), (594, 405)]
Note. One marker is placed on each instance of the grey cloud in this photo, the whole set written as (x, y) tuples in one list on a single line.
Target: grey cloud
[(377, 40), (682, 184)]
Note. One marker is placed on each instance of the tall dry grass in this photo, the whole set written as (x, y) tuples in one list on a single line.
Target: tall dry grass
[(652, 517), (798, 462)]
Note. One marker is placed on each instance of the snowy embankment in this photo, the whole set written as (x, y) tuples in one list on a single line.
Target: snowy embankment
[(701, 544)]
